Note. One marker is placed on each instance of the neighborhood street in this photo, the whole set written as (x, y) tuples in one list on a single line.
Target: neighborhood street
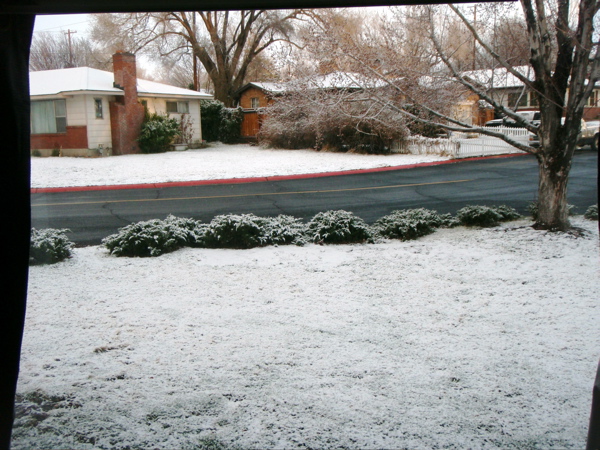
[(93, 215)]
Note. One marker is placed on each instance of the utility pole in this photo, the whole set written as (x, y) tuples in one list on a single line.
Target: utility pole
[(474, 38), (69, 33)]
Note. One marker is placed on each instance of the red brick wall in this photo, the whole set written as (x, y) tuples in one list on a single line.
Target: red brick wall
[(591, 113), (126, 114), (125, 123), (75, 137)]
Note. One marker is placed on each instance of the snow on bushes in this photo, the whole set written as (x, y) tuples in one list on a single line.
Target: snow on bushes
[(248, 230), (153, 237), (485, 216), (591, 213), (157, 133), (338, 227), (243, 231), (49, 246), (234, 231), (412, 223), (283, 230)]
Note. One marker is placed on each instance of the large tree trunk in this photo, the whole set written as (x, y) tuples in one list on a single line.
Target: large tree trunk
[(553, 212)]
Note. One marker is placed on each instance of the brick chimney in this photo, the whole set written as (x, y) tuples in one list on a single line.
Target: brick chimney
[(126, 113)]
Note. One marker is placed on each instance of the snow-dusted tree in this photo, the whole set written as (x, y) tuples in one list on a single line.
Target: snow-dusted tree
[(226, 43), (334, 112), (60, 51), (564, 66)]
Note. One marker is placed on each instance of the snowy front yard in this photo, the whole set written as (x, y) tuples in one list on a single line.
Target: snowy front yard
[(219, 161), (484, 338)]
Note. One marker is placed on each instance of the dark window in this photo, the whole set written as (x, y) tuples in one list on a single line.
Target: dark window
[(178, 107), (98, 108)]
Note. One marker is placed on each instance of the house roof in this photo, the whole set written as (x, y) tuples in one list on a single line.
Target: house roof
[(334, 80), (85, 80), (499, 78)]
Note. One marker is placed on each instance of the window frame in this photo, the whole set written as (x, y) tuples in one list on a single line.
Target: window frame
[(181, 107), (59, 115), (98, 108)]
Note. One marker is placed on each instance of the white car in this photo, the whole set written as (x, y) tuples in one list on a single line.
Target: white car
[(590, 132)]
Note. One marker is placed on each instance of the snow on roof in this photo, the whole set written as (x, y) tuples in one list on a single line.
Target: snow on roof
[(82, 80), (500, 77), (334, 80), (275, 88)]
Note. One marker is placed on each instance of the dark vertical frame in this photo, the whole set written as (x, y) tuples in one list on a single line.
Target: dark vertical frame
[(15, 39)]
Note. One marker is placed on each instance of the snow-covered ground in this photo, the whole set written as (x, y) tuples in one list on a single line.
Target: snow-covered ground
[(467, 338), (218, 161)]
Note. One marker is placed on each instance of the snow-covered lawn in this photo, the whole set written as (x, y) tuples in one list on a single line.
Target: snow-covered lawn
[(463, 339), (467, 338), (215, 162)]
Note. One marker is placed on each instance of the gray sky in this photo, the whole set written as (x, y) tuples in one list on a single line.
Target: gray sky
[(62, 22)]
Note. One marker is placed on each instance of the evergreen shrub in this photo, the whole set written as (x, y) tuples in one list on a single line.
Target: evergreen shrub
[(478, 216), (154, 237), (591, 213), (412, 223), (220, 123), (485, 216), (338, 227), (283, 230), (157, 133), (49, 246), (235, 231)]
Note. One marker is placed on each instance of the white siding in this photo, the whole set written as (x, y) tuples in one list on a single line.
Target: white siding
[(76, 115), (159, 106), (98, 131)]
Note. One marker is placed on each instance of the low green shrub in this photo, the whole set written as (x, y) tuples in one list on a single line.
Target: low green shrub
[(235, 231), (591, 213), (153, 237), (485, 216), (283, 230), (49, 246), (412, 223), (338, 227), (157, 133), (220, 123)]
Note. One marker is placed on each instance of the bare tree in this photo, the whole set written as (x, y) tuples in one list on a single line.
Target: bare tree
[(226, 43), (61, 50), (564, 66)]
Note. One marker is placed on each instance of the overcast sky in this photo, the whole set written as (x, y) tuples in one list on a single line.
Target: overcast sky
[(62, 22)]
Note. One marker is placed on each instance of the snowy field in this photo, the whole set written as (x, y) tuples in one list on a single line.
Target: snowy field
[(219, 161), (467, 338)]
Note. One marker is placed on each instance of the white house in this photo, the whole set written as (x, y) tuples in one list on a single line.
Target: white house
[(88, 112)]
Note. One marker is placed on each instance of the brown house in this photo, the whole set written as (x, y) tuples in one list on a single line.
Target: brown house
[(252, 98)]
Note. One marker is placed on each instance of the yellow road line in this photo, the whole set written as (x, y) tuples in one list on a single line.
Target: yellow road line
[(249, 195)]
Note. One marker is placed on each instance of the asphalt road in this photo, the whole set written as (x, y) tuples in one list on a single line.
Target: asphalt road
[(93, 215)]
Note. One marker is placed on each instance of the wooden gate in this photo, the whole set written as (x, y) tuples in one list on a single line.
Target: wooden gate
[(250, 124)]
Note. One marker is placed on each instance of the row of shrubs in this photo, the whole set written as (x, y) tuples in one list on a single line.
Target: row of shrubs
[(242, 231)]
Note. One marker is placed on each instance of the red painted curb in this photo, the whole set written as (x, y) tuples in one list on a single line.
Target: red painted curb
[(258, 179)]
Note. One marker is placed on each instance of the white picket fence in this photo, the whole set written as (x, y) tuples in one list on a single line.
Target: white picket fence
[(465, 145)]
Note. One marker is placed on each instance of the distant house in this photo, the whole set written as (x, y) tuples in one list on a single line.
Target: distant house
[(252, 98), (255, 96), (509, 90), (88, 112)]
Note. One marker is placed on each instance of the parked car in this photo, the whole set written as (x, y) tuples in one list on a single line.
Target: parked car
[(532, 116), (590, 133)]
